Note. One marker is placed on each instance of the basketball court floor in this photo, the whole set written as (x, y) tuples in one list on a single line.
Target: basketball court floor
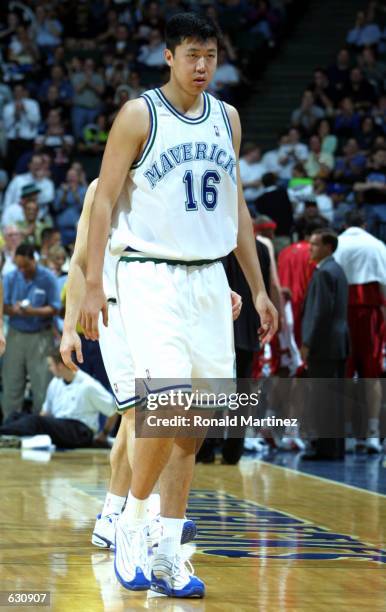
[(270, 537)]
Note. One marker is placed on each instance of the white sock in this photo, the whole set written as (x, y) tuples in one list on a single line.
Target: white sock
[(373, 428), (170, 542), (154, 506), (135, 512), (113, 504)]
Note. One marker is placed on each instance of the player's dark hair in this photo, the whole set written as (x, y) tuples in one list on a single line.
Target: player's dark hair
[(189, 25), (354, 218), (26, 250), (328, 236)]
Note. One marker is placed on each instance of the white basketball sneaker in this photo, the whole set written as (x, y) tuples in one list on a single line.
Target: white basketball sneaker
[(104, 531), (173, 576), (131, 562)]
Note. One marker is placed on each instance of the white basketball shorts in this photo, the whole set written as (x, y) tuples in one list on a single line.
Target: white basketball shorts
[(177, 322)]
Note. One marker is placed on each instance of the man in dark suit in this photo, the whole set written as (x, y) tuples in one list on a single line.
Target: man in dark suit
[(325, 335)]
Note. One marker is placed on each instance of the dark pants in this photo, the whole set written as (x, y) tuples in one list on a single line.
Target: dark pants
[(332, 410), (64, 433)]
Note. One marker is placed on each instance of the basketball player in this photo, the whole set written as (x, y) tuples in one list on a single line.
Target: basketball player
[(186, 210), (117, 363)]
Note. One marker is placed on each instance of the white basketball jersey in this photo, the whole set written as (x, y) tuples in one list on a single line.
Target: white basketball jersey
[(182, 191)]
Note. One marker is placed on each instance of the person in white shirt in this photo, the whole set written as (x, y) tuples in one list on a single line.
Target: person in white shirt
[(251, 172), (152, 54), (291, 153), (363, 259), (12, 238), (225, 77), (70, 413), (21, 119), (14, 213), (37, 175)]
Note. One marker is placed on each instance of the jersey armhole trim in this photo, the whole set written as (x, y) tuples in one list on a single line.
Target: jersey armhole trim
[(152, 133), (226, 120)]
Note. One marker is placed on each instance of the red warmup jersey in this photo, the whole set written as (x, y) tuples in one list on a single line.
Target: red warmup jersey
[(295, 271)]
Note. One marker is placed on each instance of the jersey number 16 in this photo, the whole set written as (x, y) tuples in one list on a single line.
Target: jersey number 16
[(209, 192)]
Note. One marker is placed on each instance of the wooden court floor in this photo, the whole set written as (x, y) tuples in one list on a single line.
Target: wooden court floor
[(270, 539)]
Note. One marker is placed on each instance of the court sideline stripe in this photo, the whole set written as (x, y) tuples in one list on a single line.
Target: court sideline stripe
[(335, 482)]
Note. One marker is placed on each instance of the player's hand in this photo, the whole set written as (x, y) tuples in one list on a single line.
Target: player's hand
[(94, 303), (70, 343), (237, 303), (2, 342), (268, 317)]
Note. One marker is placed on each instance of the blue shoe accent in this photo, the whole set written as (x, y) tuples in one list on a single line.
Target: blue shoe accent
[(139, 582), (189, 531), (194, 588)]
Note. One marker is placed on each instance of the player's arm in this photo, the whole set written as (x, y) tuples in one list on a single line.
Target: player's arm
[(125, 141), (76, 284), (246, 248)]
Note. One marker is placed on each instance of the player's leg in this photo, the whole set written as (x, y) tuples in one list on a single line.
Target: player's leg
[(104, 530)]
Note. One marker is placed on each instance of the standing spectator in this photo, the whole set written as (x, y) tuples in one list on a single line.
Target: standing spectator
[(31, 299), (12, 239), (21, 121), (325, 339), (274, 202), (88, 87), (37, 174), (14, 214), (61, 82), (59, 142), (23, 54), (291, 152), (363, 259), (251, 171), (46, 31), (68, 206), (308, 114)]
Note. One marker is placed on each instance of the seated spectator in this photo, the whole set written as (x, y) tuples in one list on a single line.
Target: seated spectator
[(151, 55), (274, 202), (372, 194), (226, 77), (122, 46), (323, 200), (339, 73), (341, 204), (270, 159), (324, 94), (251, 171), (21, 119), (364, 32), (49, 237), (318, 162), (31, 299), (361, 92), (56, 259), (367, 134), (308, 114), (57, 141), (291, 152), (347, 121), (351, 166), (310, 215), (30, 226), (372, 69), (70, 411), (46, 30), (68, 206), (12, 239), (95, 136), (53, 102), (37, 174), (15, 213), (88, 90), (329, 141), (61, 82), (23, 54)]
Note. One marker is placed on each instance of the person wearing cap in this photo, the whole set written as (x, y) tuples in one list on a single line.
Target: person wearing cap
[(15, 213), (37, 174)]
